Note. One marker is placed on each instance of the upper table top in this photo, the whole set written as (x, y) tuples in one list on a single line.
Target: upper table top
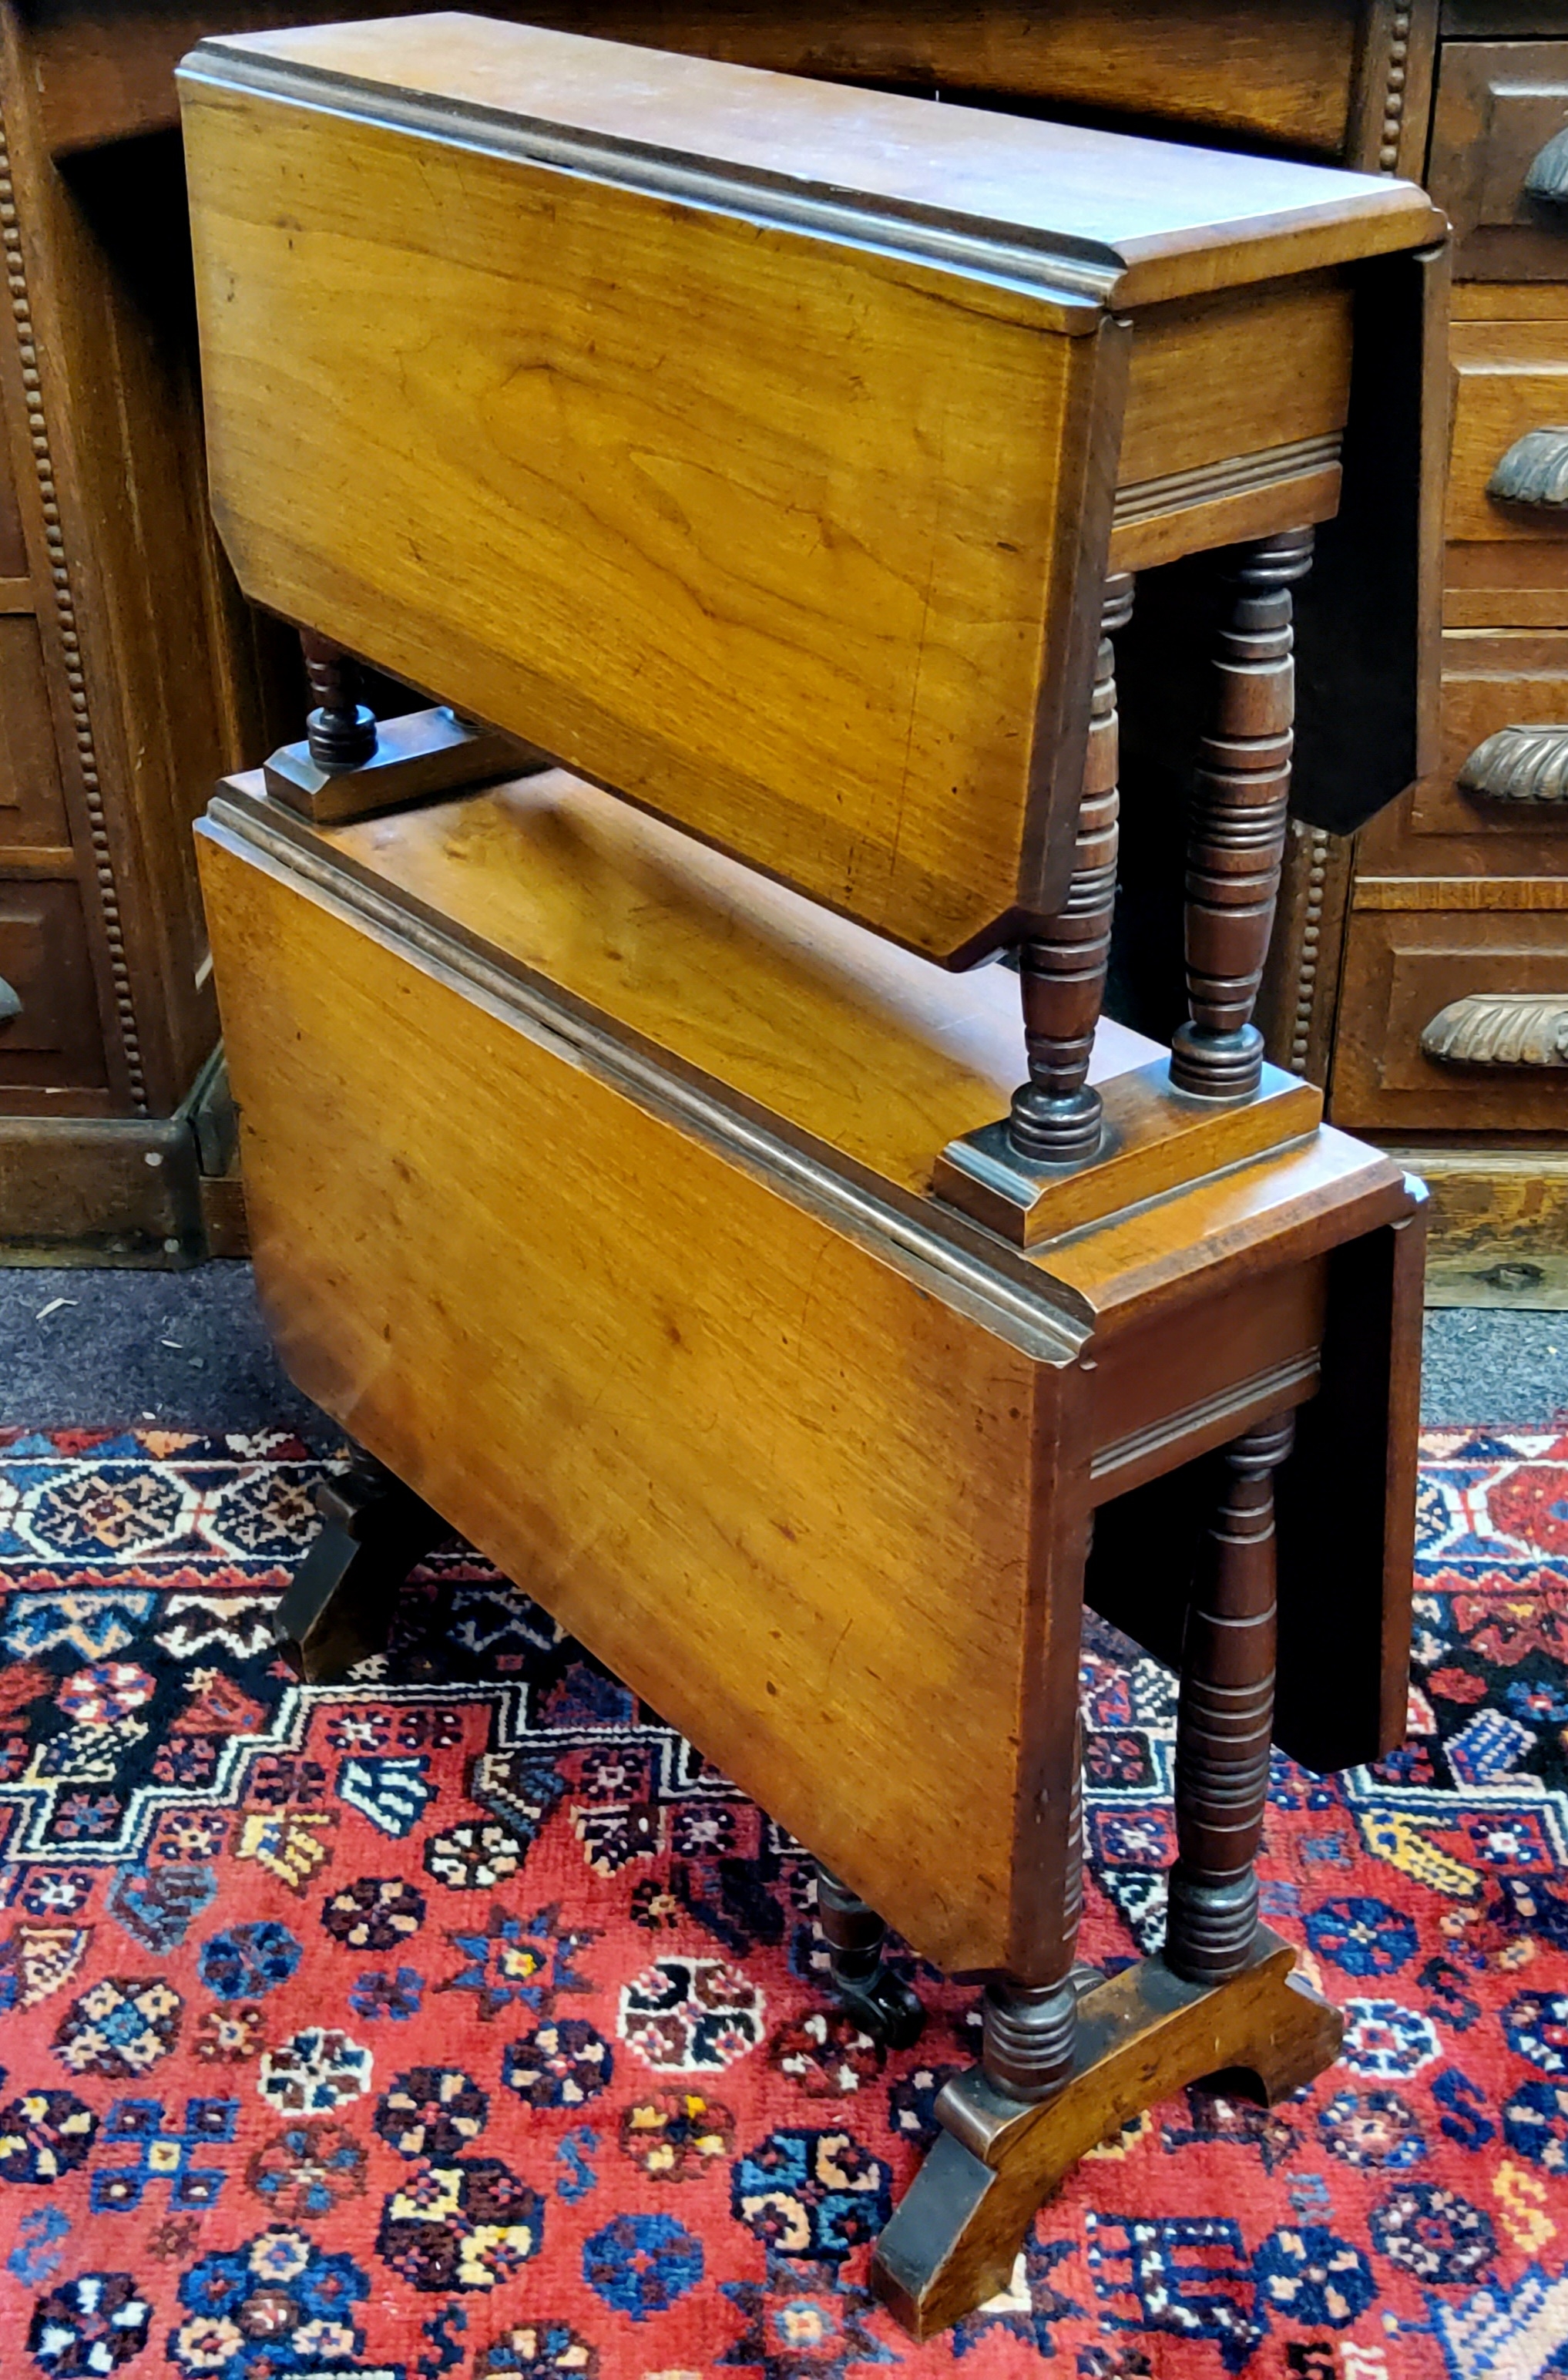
[(1128, 219), (752, 446)]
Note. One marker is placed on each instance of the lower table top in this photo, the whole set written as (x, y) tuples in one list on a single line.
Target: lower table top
[(864, 1053)]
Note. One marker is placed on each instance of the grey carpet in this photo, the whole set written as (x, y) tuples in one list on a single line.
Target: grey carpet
[(1483, 1365), (189, 1351)]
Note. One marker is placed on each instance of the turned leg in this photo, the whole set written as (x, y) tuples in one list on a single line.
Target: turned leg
[(879, 2000), (1143, 2035), (340, 730), (1237, 845), (350, 766), (339, 1607), (1056, 1117), (1066, 2068), (1029, 2031), (1225, 1719)]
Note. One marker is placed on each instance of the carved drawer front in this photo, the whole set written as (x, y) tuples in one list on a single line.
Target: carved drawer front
[(49, 1032), (1507, 520), (1497, 805), (1453, 1020), (1499, 159), (30, 809)]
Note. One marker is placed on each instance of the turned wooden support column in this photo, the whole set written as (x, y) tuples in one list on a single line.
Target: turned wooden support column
[(1236, 847), (1225, 1719), (855, 1935), (1056, 1117), (340, 730), (1029, 2031), (349, 765)]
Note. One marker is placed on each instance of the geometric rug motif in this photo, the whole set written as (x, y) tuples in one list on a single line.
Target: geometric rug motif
[(461, 2019)]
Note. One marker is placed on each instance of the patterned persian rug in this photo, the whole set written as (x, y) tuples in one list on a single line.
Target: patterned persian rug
[(460, 2020)]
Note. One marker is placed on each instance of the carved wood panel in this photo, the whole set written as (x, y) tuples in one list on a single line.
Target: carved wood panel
[(1511, 384), (1405, 973), (48, 1015), (1497, 804), (33, 812), (13, 547), (1499, 163)]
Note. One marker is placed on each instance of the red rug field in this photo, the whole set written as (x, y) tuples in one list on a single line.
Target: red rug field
[(461, 2021)]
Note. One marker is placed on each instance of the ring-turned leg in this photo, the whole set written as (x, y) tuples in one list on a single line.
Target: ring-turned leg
[(348, 766), (341, 732), (957, 2232), (1055, 1118), (1225, 1719), (1221, 1998), (1236, 848), (339, 1607), (1029, 2031), (879, 2000)]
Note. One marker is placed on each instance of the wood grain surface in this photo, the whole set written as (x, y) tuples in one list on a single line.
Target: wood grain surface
[(1291, 1205), (680, 517), (838, 1040), (832, 1033), (1238, 374), (792, 1495), (106, 73)]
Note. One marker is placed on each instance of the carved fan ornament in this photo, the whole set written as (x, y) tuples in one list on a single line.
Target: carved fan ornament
[(1548, 176), (1519, 764), (1534, 470), (1500, 1028)]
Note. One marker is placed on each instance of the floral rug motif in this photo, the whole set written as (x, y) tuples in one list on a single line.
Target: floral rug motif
[(461, 2019)]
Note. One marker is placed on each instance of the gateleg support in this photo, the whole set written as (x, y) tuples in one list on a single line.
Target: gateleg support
[(338, 1610), (1141, 2036), (881, 2002)]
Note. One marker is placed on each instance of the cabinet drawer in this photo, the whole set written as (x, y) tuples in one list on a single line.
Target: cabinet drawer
[(1509, 379), (49, 1030), (31, 811), (1496, 159), (1510, 817), (1407, 970), (1507, 560)]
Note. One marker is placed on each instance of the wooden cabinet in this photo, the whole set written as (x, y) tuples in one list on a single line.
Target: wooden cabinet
[(1447, 1024), (33, 828), (1507, 555), (128, 673), (51, 1043)]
